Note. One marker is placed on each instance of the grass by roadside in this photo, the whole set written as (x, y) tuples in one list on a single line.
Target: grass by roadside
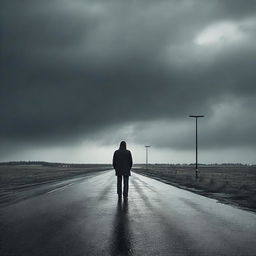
[(234, 185), (17, 178)]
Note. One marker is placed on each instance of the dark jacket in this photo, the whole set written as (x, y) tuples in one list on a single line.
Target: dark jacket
[(122, 161)]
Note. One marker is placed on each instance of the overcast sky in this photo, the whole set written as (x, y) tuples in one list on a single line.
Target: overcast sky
[(79, 76)]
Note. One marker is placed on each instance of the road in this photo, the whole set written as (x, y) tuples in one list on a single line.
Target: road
[(84, 217)]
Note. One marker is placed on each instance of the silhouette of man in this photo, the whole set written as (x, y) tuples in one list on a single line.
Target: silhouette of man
[(122, 163)]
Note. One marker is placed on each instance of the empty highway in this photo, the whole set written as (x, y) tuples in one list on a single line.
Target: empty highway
[(83, 217)]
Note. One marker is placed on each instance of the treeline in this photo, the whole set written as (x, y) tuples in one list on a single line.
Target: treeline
[(49, 164), (56, 164)]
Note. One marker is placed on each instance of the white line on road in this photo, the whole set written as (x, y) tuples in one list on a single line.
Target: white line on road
[(60, 189)]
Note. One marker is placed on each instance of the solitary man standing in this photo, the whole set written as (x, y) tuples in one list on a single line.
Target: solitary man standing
[(122, 163)]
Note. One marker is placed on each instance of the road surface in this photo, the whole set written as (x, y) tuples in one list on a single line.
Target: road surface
[(84, 217)]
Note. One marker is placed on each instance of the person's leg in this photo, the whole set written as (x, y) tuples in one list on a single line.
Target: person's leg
[(126, 185), (119, 185)]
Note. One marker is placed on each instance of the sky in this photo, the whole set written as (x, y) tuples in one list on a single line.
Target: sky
[(79, 76)]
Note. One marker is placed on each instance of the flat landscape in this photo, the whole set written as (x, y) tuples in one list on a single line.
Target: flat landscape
[(85, 217), (15, 180), (232, 184)]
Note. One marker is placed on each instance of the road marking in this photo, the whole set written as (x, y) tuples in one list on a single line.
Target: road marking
[(60, 189)]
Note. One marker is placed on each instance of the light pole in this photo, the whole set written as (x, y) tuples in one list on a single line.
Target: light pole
[(147, 156), (196, 117)]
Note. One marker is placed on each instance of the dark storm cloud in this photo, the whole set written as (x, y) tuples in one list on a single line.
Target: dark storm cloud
[(231, 125), (75, 68), (237, 8)]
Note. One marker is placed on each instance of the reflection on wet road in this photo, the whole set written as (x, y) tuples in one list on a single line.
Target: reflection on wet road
[(122, 238), (85, 217)]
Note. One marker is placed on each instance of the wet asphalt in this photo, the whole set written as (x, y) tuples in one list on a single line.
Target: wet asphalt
[(84, 217)]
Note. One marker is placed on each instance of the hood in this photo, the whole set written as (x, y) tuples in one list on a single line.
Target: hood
[(122, 145)]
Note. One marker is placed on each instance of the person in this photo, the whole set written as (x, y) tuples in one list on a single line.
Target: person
[(122, 163)]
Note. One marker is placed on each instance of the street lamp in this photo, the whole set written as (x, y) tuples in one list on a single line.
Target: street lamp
[(196, 117), (147, 156)]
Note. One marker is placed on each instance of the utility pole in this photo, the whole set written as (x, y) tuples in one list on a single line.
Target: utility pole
[(196, 117), (147, 156)]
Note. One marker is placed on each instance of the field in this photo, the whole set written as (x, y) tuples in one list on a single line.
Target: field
[(15, 180), (230, 184)]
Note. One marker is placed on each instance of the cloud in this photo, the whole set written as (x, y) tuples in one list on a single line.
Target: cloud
[(73, 70), (229, 126)]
